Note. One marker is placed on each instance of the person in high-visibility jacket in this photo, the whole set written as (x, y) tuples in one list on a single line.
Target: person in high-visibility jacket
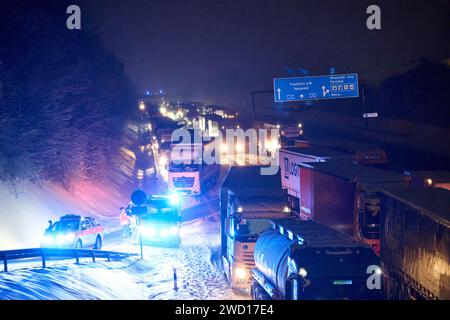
[(124, 222)]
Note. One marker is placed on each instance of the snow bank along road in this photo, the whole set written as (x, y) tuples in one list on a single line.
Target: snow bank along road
[(197, 263)]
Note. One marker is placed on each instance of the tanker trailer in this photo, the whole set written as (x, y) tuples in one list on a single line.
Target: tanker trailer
[(304, 260)]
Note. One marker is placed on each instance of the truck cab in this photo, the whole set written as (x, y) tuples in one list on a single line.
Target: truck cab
[(162, 128), (285, 135), (247, 217), (184, 178), (368, 220), (159, 220), (188, 174)]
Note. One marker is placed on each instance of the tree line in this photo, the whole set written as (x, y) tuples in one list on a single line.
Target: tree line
[(64, 98)]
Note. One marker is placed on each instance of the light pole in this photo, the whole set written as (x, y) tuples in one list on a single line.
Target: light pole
[(138, 198), (140, 234), (364, 105)]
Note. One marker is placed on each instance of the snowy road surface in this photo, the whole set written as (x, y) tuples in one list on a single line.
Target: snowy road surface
[(197, 262)]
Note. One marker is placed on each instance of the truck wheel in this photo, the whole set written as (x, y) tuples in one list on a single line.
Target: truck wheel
[(79, 244), (258, 293), (263, 296), (255, 289), (98, 243)]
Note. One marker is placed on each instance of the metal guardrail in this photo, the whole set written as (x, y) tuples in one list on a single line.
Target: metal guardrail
[(45, 253)]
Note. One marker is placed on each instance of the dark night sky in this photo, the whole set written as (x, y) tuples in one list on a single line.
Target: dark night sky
[(221, 50)]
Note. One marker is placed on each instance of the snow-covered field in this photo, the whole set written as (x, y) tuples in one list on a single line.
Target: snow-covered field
[(197, 263)]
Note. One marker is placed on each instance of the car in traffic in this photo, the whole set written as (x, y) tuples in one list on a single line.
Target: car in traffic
[(73, 231)]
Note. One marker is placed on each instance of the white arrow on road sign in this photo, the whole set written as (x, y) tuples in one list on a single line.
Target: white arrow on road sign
[(279, 93), (325, 91)]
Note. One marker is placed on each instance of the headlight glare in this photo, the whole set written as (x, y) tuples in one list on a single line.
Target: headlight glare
[(241, 273)]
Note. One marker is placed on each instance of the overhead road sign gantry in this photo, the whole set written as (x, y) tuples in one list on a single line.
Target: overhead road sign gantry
[(334, 86)]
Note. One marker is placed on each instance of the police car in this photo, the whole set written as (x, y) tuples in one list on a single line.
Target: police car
[(73, 231)]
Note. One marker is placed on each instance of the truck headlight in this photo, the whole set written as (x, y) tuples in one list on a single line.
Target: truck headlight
[(241, 273), (223, 147), (239, 147), (147, 231), (164, 233), (173, 230), (302, 272), (69, 237), (163, 161)]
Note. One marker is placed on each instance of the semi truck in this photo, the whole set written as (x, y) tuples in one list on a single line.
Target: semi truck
[(248, 200), (162, 128), (188, 173), (248, 214), (343, 196), (289, 132), (304, 260), (158, 218), (415, 243)]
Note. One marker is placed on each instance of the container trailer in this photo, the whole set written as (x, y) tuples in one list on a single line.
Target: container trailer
[(343, 196), (415, 243)]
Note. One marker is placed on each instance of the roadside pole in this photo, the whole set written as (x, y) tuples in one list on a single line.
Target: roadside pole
[(140, 242), (175, 285), (140, 236), (364, 105), (138, 197)]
